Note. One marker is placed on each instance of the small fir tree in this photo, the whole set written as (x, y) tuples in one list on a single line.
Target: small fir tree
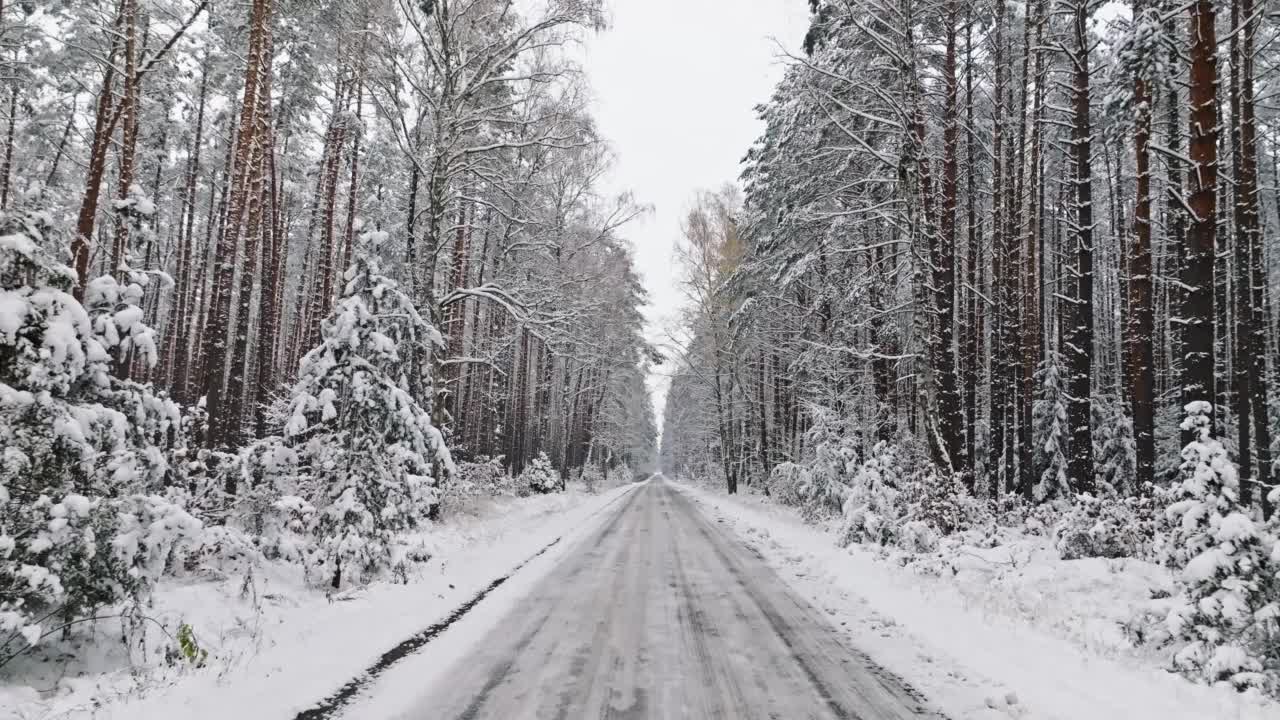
[(1230, 600), (1049, 419), (540, 476), (360, 420)]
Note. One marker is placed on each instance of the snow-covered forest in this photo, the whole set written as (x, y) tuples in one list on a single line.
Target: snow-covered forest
[(1001, 273), (330, 332), (283, 282)]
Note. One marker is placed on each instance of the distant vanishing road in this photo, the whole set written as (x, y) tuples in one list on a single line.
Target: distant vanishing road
[(659, 614)]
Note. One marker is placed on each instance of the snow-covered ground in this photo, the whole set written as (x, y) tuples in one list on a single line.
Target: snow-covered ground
[(280, 647), (1008, 632)]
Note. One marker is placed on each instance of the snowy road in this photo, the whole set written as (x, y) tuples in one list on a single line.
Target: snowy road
[(657, 614)]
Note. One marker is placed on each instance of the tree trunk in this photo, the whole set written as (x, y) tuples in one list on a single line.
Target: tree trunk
[(998, 350), (216, 333), (129, 133), (256, 220), (951, 424), (1198, 310), (1250, 233), (1140, 328), (1080, 347)]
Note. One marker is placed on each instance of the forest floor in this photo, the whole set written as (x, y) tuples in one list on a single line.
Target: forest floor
[(277, 646), (985, 634)]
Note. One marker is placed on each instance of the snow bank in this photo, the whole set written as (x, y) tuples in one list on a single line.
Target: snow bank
[(275, 646), (1012, 631)]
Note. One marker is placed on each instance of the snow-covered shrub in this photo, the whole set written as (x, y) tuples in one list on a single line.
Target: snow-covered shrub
[(151, 535), (786, 483), (592, 478), (944, 504), (476, 480), (83, 454), (916, 536), (115, 310), (540, 476), (820, 486), (225, 550), (874, 504), (1014, 512), (360, 423), (287, 533), (622, 475), (262, 472), (896, 500), (1229, 611), (256, 522), (1109, 527)]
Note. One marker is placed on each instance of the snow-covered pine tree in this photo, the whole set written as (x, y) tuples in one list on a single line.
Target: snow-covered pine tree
[(1049, 418), (1116, 449), (1230, 606), (360, 420), (85, 455), (874, 501), (540, 475)]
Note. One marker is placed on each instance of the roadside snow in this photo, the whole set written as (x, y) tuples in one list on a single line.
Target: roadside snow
[(1011, 632), (277, 647)]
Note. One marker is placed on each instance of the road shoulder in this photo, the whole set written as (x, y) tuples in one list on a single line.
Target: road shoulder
[(297, 647), (972, 663)]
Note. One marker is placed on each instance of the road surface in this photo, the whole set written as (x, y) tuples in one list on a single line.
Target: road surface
[(659, 614)]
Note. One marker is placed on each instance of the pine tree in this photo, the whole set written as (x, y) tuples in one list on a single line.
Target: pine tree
[(1230, 605), (85, 455), (1116, 450), (540, 476), (360, 420), (1050, 433)]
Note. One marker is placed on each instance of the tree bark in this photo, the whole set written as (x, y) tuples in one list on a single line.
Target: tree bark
[(216, 333), (1080, 346), (1140, 328), (1198, 309)]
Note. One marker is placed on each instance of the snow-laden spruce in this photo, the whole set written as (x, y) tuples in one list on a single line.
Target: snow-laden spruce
[(84, 522), (541, 476), (820, 486), (1229, 613), (360, 422), (1049, 419), (874, 502)]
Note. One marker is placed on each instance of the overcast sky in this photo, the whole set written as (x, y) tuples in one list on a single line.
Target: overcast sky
[(675, 83)]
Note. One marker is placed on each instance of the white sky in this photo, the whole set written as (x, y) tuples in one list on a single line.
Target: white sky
[(675, 83)]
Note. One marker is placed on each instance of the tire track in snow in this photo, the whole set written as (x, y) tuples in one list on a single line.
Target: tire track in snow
[(330, 705)]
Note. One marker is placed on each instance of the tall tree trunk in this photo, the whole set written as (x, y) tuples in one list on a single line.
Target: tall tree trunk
[(971, 332), (1249, 233), (1140, 328), (103, 126), (270, 306), (6, 165), (1242, 297), (998, 350), (1031, 328), (322, 301), (216, 333), (1198, 310), (180, 328), (950, 421), (257, 219), (1080, 347), (129, 133)]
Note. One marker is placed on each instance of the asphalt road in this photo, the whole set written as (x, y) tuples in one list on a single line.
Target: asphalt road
[(660, 614)]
